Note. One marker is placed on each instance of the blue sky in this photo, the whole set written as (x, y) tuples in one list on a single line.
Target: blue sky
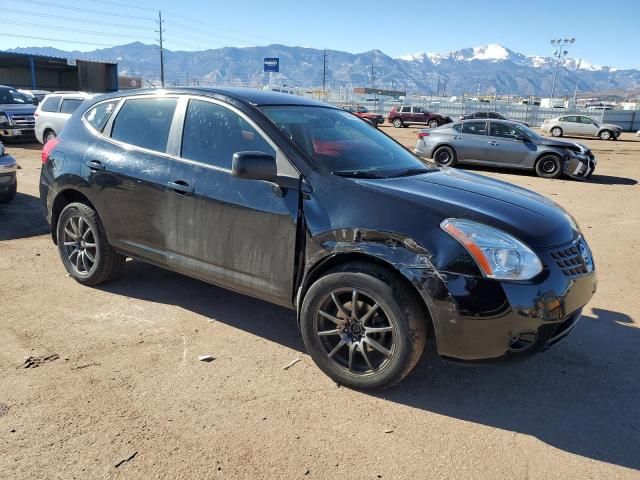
[(604, 36)]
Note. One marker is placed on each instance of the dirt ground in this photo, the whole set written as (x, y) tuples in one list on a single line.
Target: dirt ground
[(114, 388)]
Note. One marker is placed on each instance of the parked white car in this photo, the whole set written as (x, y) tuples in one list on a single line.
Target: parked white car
[(54, 111), (581, 126)]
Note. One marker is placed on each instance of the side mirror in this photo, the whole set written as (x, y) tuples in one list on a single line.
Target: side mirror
[(254, 166), (35, 101), (522, 138)]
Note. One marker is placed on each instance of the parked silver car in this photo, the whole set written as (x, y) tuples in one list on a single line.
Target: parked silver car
[(503, 143), (580, 126), (54, 111)]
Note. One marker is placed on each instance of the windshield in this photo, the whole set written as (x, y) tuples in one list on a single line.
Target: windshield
[(343, 143), (362, 110), (9, 96), (526, 131)]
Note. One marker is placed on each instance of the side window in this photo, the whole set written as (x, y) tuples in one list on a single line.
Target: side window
[(492, 115), (70, 105), (213, 133), (586, 120), (145, 122), (406, 110), (475, 128), (99, 115), (458, 127), (569, 119), (50, 104), (502, 130)]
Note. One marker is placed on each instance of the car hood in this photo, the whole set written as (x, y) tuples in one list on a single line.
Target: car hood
[(453, 193), (610, 126), (549, 142), (17, 109)]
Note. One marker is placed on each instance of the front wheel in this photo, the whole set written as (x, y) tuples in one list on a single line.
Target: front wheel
[(397, 122), (549, 166), (83, 246), (605, 135), (362, 327)]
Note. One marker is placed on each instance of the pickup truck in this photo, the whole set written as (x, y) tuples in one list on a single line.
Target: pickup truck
[(16, 114)]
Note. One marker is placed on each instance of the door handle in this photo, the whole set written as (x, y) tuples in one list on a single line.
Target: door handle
[(95, 165), (493, 143), (181, 187)]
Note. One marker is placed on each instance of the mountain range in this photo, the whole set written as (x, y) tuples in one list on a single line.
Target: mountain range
[(484, 70)]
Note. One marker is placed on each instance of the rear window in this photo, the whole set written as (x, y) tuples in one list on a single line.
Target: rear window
[(70, 105), (50, 104), (145, 122), (99, 115)]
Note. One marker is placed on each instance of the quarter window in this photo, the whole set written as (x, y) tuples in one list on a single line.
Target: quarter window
[(213, 133), (145, 122), (99, 115), (50, 104), (70, 105), (475, 128)]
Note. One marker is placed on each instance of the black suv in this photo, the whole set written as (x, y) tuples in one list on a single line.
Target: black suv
[(304, 205)]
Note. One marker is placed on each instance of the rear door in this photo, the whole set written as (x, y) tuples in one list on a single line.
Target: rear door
[(503, 148), (570, 125), (234, 232), (471, 143), (129, 169)]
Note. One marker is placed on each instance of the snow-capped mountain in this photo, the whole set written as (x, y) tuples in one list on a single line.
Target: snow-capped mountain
[(484, 69)]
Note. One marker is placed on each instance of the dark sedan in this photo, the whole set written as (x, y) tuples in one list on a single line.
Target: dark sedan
[(304, 205), (487, 115)]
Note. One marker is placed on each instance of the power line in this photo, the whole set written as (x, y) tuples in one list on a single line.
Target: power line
[(57, 40), (86, 10), (67, 29), (116, 4), (70, 19)]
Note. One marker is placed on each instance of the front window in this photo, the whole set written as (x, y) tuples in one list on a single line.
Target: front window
[(344, 144), (10, 96), (360, 109), (524, 130)]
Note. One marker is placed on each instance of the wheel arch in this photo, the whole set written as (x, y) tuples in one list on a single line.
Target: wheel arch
[(61, 200), (334, 261)]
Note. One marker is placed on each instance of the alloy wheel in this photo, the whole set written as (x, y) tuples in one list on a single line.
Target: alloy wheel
[(80, 244), (443, 157), (355, 332), (549, 166)]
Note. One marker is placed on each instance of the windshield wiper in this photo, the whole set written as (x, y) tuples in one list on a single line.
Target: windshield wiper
[(411, 171), (358, 174)]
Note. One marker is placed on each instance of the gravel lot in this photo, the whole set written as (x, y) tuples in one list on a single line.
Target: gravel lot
[(114, 388)]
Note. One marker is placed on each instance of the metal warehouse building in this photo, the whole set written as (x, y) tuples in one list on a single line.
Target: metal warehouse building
[(34, 72)]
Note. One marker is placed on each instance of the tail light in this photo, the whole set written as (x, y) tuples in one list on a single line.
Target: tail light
[(422, 134), (36, 114), (47, 149)]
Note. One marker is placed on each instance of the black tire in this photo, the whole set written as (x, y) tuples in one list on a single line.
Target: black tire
[(605, 135), (48, 135), (397, 122), (445, 156), (9, 194), (549, 166), (433, 124), (106, 264), (556, 132), (398, 311)]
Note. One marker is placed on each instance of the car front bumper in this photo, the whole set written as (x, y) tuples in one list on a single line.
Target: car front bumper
[(580, 166), (8, 169), (480, 319), (10, 132)]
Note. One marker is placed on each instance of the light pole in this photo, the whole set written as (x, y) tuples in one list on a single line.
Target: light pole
[(559, 44)]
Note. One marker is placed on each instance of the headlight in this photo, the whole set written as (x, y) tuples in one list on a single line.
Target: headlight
[(3, 118), (498, 254)]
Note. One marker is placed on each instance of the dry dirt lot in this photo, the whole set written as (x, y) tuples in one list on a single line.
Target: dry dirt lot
[(114, 388)]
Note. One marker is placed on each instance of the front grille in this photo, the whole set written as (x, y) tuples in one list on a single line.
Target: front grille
[(574, 260), (23, 121)]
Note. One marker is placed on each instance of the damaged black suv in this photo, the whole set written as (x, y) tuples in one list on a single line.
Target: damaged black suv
[(304, 205)]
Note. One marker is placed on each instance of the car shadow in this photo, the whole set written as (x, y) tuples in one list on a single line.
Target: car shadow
[(580, 396), (602, 179), (22, 217)]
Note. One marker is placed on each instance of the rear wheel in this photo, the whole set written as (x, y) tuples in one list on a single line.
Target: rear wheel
[(49, 135), (397, 122), (556, 132), (549, 166), (362, 327), (83, 246), (433, 123), (605, 135), (445, 156)]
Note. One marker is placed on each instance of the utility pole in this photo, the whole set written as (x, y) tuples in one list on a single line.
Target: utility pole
[(373, 77), (324, 70), (161, 31), (559, 43)]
